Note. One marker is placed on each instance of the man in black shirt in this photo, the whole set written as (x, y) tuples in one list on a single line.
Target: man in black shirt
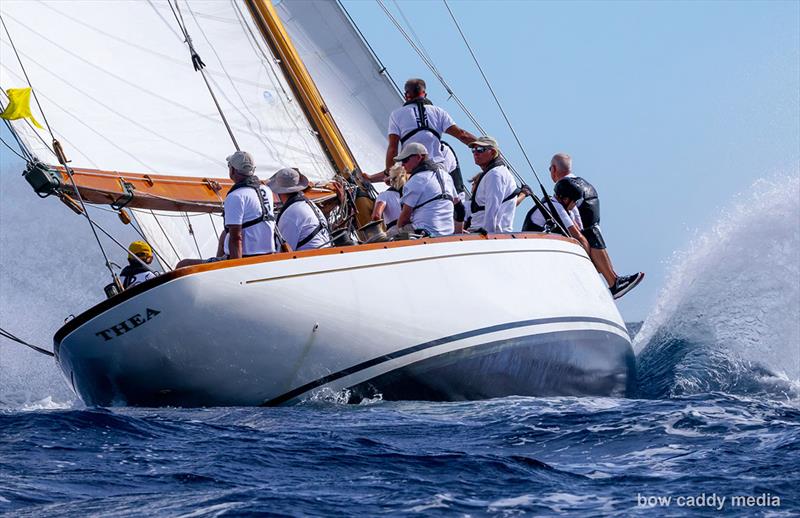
[(571, 189)]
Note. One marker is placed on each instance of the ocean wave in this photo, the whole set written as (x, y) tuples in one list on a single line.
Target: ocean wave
[(728, 317)]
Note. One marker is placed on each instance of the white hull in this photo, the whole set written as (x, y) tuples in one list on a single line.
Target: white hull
[(445, 320)]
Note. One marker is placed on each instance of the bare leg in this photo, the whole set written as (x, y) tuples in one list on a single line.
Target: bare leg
[(603, 264)]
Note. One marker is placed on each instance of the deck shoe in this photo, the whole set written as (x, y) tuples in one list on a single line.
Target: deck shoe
[(625, 284)]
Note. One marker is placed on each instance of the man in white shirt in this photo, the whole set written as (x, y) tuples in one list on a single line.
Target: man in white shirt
[(418, 120), (249, 214), (302, 224), (428, 195), (494, 194)]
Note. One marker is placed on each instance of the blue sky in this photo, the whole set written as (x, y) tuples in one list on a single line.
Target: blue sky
[(669, 108)]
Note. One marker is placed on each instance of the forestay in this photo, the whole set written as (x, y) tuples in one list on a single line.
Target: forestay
[(357, 92), (119, 90)]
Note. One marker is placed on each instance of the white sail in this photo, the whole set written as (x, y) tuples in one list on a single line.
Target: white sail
[(119, 90), (356, 90)]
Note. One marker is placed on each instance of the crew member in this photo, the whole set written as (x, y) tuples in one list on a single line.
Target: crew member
[(568, 215), (248, 212), (428, 195), (419, 120), (136, 272), (495, 192), (570, 188), (302, 224), (387, 204)]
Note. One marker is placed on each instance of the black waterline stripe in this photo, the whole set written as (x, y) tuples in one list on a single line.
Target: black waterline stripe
[(420, 259), (427, 345)]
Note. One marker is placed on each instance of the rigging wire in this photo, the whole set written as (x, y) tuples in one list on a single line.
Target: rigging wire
[(164, 265), (548, 212), (13, 150), (491, 90), (191, 233), (411, 29), (169, 241), (383, 69), (249, 120), (199, 66), (25, 154), (62, 159), (8, 335)]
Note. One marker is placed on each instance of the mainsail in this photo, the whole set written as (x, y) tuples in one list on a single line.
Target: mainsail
[(119, 91)]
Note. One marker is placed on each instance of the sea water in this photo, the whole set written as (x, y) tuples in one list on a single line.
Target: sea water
[(715, 427)]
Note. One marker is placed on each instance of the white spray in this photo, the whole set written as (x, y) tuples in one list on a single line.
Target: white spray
[(50, 267), (734, 297)]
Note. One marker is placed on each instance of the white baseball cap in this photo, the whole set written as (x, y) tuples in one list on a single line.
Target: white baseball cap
[(411, 148)]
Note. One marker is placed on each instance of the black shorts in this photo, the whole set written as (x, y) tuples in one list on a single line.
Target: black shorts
[(594, 237)]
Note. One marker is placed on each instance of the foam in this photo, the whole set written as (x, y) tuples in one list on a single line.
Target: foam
[(730, 307)]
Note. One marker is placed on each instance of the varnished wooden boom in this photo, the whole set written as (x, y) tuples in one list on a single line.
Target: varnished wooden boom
[(160, 192)]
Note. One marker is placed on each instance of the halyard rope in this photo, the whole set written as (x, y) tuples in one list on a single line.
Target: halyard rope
[(199, 66)]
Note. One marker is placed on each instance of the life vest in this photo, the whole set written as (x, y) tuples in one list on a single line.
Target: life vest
[(422, 121), (266, 215), (474, 206), (129, 274), (399, 195), (427, 165), (455, 174), (322, 223), (529, 226), (589, 207)]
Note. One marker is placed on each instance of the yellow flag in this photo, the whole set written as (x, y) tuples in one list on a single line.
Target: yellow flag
[(19, 106)]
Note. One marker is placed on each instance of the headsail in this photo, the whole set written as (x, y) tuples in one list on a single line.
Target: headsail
[(356, 90)]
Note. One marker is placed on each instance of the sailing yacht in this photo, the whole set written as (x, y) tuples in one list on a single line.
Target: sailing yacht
[(141, 130)]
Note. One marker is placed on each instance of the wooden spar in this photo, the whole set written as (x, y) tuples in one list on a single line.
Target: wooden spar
[(299, 79), (161, 192)]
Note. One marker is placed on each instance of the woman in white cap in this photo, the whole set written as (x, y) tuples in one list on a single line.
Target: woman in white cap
[(301, 224)]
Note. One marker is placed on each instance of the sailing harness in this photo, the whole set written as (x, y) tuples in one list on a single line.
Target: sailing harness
[(129, 274), (428, 165), (422, 121), (322, 223), (474, 206), (266, 215), (399, 195)]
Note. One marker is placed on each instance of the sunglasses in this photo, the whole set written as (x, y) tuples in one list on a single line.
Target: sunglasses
[(479, 149), (406, 159)]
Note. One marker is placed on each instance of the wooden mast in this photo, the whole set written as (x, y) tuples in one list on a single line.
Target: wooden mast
[(273, 31), (334, 144)]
